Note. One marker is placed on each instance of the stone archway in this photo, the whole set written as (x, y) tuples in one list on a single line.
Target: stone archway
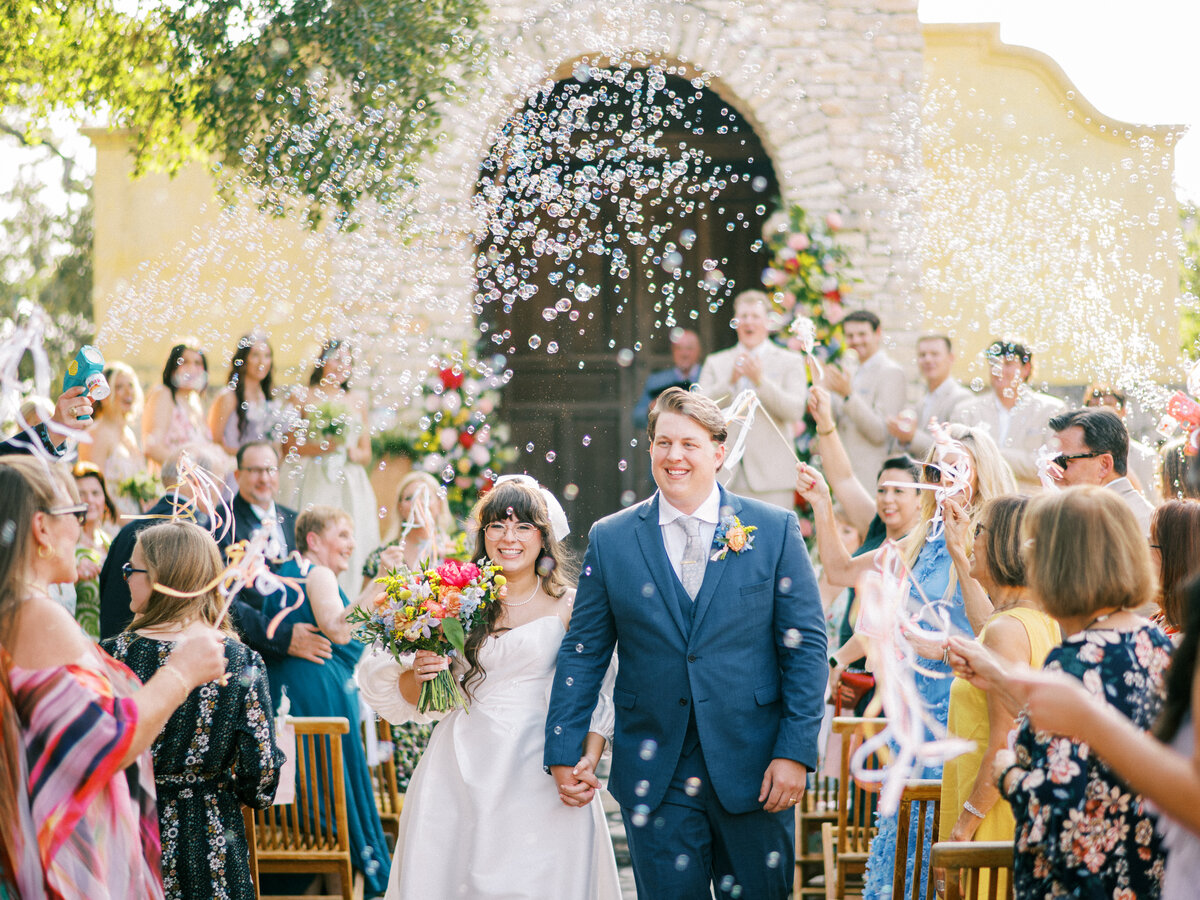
[(620, 204)]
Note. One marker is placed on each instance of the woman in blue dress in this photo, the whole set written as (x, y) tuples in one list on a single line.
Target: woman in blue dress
[(325, 537), (974, 458)]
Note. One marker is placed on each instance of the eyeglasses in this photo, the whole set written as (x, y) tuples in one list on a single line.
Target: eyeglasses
[(261, 470), (522, 531), (127, 571), (79, 511), (1062, 461)]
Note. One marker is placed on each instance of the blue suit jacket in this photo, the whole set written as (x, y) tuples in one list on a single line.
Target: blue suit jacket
[(752, 665)]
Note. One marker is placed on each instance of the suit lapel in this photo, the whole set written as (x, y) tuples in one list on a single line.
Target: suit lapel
[(650, 540), (714, 571)]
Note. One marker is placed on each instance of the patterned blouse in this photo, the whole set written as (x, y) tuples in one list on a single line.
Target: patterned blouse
[(216, 752), (96, 824), (1080, 831)]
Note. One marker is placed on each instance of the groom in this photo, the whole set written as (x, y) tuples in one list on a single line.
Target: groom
[(721, 673)]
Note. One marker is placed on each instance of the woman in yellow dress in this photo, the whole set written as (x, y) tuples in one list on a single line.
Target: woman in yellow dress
[(972, 808)]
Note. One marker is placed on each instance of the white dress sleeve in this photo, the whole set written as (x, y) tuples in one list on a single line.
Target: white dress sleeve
[(378, 677), (604, 715)]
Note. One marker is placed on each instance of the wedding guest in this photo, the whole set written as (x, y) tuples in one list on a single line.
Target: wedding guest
[(333, 446), (246, 409), (217, 751), (325, 538), (49, 438), (1015, 414), (423, 525), (1143, 460), (254, 505), (972, 808), (1080, 830), (934, 577), (944, 395), (1162, 766), (86, 826), (174, 413), (114, 447), (99, 527), (1094, 449), (1175, 547), (1176, 479), (779, 379), (686, 356), (481, 776), (863, 403)]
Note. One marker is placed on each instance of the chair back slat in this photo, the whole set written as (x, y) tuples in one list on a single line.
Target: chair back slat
[(920, 801), (973, 859), (855, 803)]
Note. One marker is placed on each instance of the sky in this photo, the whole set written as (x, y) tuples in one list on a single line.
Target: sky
[(1134, 61)]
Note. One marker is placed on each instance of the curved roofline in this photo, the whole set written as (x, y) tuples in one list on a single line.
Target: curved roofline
[(986, 37)]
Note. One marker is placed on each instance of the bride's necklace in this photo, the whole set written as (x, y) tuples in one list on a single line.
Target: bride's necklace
[(537, 587)]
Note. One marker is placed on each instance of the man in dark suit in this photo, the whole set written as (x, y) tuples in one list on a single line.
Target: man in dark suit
[(254, 505), (722, 668), (685, 353)]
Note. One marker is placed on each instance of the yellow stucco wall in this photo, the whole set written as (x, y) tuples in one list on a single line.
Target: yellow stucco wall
[(1043, 216)]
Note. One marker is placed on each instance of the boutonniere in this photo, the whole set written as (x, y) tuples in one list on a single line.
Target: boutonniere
[(731, 534)]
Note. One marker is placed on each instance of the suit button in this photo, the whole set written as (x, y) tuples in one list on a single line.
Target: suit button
[(682, 701), (691, 657)]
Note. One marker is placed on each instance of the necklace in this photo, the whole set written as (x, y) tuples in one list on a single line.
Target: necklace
[(1100, 618), (537, 587)]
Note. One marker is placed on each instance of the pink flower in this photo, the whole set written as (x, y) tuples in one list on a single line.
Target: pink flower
[(457, 574), (834, 221), (834, 313), (798, 241), (787, 299)]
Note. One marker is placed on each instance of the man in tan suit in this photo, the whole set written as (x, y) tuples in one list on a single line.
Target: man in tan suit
[(944, 395), (778, 377), (864, 403), (1017, 416)]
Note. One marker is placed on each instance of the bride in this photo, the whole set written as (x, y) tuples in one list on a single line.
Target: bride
[(481, 818)]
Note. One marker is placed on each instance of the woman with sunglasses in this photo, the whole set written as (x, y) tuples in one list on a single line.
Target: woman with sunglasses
[(481, 817), (86, 826), (973, 457)]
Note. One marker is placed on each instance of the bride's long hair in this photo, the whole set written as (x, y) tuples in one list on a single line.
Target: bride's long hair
[(555, 565)]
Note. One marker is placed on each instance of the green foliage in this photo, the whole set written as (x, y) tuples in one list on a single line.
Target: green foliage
[(318, 102), (1189, 278)]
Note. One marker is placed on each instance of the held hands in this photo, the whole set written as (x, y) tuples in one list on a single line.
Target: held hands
[(926, 647), (783, 785), (427, 664), (199, 657), (577, 785), (810, 484), (821, 407)]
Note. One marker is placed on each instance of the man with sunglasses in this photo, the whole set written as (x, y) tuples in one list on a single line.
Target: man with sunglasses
[(1094, 449), (1016, 415)]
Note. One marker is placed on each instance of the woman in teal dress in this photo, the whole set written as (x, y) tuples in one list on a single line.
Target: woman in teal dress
[(934, 580), (325, 537)]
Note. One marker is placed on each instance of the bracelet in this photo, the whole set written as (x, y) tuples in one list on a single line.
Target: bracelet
[(821, 433), (969, 807), (182, 681), (946, 662)]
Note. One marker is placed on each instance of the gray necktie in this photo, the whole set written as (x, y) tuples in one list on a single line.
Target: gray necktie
[(692, 566)]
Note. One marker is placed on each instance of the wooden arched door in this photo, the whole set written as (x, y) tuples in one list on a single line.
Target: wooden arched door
[(621, 204)]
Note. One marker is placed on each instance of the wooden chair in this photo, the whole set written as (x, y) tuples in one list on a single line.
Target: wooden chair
[(818, 807), (918, 797), (845, 843), (388, 799), (971, 859), (311, 835)]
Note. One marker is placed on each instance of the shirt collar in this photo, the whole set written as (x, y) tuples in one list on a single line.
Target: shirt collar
[(709, 511), (266, 513), (757, 351)]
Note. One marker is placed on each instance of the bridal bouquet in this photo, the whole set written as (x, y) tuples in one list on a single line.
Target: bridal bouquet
[(327, 420), (430, 610), (141, 488)]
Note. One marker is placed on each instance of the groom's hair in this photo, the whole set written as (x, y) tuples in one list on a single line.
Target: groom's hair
[(700, 409)]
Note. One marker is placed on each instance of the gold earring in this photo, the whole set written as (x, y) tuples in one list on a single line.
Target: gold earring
[(44, 552)]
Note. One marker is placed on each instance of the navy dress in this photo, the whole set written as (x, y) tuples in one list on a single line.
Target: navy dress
[(330, 690)]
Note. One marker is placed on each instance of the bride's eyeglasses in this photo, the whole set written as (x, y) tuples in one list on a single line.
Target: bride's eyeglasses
[(522, 531)]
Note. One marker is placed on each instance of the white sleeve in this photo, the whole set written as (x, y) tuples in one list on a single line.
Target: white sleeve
[(378, 677), (604, 715)]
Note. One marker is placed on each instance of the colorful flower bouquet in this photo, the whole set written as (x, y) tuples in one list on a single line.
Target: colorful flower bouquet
[(430, 610)]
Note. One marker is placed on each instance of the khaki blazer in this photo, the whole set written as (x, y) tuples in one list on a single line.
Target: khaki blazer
[(1028, 430), (878, 391), (946, 402)]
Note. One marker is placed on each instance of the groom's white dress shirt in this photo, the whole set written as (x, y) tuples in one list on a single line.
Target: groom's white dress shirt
[(675, 537)]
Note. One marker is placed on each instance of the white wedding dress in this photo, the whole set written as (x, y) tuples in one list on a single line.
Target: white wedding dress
[(481, 819)]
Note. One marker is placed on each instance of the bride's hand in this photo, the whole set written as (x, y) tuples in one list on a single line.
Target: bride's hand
[(427, 664)]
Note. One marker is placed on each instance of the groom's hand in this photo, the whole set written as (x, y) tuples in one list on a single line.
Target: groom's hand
[(783, 785), (576, 784)]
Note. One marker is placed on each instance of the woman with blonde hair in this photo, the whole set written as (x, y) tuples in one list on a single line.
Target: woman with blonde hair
[(217, 751), (972, 456), (114, 447), (86, 826), (423, 524)]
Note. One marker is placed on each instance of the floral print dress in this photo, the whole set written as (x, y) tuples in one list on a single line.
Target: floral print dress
[(1080, 831), (216, 753)]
